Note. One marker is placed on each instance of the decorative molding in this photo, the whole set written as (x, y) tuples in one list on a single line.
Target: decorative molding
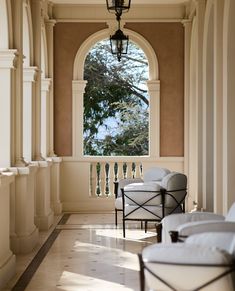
[(30, 74), (45, 84), (8, 58)]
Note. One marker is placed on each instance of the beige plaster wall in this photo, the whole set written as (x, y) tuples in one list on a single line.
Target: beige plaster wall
[(68, 37), (167, 39)]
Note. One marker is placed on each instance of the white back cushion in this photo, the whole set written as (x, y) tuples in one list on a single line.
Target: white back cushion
[(155, 174), (231, 213)]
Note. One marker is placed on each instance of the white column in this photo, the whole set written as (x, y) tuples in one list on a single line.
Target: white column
[(7, 259), (218, 107), (200, 13), (36, 6), (45, 117), (28, 92), (44, 214), (56, 204), (78, 87), (154, 118), (7, 58), (49, 24), (17, 154), (24, 234), (187, 41), (228, 104)]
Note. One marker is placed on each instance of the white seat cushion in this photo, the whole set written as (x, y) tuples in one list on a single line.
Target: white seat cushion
[(139, 193), (182, 253)]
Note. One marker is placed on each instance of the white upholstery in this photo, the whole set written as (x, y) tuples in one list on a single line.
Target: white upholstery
[(175, 220), (178, 264), (148, 195), (190, 223), (231, 213), (188, 229), (123, 182), (141, 192), (221, 240), (155, 174)]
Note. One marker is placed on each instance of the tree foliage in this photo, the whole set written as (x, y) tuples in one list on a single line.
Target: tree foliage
[(115, 102)]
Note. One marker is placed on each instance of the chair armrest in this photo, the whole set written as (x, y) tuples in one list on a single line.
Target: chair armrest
[(188, 229), (173, 221)]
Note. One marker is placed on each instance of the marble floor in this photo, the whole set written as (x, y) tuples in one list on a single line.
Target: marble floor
[(87, 253)]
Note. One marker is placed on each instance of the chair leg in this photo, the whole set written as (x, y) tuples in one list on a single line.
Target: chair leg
[(142, 279), (159, 232), (115, 216), (123, 227), (145, 226), (174, 236)]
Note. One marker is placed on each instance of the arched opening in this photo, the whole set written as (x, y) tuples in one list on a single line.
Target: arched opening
[(116, 102), (79, 85)]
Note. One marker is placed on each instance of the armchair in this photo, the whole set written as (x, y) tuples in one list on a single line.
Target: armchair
[(203, 262), (153, 174), (183, 225), (151, 201)]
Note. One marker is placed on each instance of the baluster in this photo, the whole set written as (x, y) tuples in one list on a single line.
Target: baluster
[(107, 188), (112, 177), (115, 169), (138, 170), (102, 178), (124, 167), (129, 170), (91, 180), (133, 170), (141, 171), (98, 180)]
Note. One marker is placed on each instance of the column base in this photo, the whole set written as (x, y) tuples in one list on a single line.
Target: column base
[(57, 208), (7, 271), (24, 244), (44, 222)]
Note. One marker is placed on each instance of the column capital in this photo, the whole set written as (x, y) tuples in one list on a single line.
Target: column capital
[(8, 58), (79, 86), (153, 85), (45, 84), (30, 74), (186, 22), (50, 22)]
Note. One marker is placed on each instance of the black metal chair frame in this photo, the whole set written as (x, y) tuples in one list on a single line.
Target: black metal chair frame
[(162, 192), (116, 183), (231, 269)]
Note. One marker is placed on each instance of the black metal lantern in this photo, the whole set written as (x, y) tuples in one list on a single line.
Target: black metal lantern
[(118, 6), (119, 44)]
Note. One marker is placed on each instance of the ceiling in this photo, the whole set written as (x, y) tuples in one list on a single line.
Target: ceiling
[(85, 2)]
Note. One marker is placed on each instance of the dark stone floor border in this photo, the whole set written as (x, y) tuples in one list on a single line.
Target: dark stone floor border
[(26, 277)]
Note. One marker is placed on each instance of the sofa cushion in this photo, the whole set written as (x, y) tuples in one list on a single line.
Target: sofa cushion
[(155, 174)]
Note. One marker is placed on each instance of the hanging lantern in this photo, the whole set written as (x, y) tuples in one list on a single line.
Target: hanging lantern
[(118, 6), (119, 44)]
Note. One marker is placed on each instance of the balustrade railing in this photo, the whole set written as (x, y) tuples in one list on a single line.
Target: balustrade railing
[(104, 174)]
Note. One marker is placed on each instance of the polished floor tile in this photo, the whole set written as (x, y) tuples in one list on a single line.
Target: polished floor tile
[(90, 254)]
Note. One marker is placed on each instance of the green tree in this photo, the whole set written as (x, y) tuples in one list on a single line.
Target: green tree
[(115, 102)]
